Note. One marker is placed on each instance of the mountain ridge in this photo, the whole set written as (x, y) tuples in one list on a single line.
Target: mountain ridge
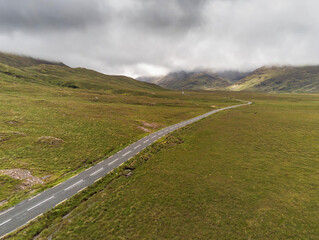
[(285, 79), (16, 60), (276, 78)]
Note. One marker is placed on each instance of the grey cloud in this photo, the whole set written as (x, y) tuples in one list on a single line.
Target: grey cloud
[(138, 37), (174, 17), (49, 15)]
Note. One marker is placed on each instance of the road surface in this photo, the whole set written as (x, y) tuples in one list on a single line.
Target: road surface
[(24, 212)]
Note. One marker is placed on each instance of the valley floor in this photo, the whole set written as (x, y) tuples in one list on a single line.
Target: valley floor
[(246, 173)]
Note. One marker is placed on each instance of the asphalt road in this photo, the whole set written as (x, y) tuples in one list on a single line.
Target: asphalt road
[(27, 210)]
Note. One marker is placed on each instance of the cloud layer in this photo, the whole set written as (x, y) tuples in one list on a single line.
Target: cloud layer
[(151, 37)]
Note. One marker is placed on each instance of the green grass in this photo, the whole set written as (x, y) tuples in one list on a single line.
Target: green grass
[(95, 120), (246, 173), (8, 186)]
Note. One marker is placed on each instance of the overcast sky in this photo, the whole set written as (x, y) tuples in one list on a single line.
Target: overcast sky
[(152, 37)]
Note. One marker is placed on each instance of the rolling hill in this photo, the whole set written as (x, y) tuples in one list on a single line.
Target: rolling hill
[(285, 79), (15, 68)]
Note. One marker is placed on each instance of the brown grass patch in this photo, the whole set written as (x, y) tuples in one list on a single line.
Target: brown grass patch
[(49, 140)]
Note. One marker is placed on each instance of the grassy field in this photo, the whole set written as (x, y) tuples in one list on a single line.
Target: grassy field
[(88, 116), (246, 173)]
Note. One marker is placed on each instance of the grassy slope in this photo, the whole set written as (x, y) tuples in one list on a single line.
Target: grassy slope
[(247, 173), (281, 79), (94, 120)]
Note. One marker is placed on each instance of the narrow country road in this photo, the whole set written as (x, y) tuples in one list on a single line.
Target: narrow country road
[(27, 210)]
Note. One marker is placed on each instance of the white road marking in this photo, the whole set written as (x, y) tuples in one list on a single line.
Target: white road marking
[(60, 202), (98, 179), (5, 222), (40, 203), (154, 136), (99, 170), (126, 153), (72, 176), (81, 189), (34, 218), (73, 185), (137, 146), (146, 141), (113, 161), (7, 211), (34, 197)]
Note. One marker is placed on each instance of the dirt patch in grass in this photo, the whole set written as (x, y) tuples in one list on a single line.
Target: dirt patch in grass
[(3, 202), (144, 129), (19, 134), (151, 125), (49, 140), (28, 179), (14, 122), (148, 127)]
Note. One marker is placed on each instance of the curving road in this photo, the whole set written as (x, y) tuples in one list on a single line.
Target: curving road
[(33, 207)]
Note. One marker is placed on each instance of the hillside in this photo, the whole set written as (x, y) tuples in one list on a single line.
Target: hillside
[(199, 80), (280, 79), (30, 70), (24, 61)]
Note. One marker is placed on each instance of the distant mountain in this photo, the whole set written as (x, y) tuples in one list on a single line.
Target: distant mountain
[(233, 76), (23, 61), (280, 79), (196, 80), (303, 79)]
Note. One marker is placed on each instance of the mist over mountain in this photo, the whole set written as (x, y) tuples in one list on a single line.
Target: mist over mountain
[(264, 79), (148, 79), (189, 80), (232, 75)]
